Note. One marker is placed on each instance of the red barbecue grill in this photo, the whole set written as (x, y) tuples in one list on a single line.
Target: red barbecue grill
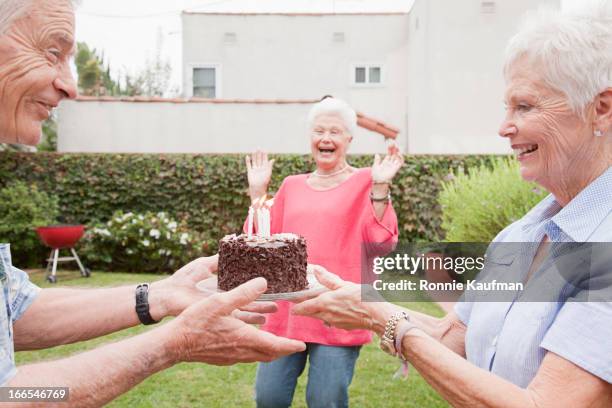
[(59, 237)]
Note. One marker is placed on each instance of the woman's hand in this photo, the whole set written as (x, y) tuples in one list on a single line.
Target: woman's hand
[(343, 307), (259, 172), (383, 170)]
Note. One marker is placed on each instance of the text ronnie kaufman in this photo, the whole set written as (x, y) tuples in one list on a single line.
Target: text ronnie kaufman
[(404, 285)]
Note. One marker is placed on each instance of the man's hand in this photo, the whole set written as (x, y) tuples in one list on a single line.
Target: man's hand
[(207, 332), (170, 296)]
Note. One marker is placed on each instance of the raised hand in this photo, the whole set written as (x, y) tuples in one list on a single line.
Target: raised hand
[(259, 173), (208, 332), (383, 170)]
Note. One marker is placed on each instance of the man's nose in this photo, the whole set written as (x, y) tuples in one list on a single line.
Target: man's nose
[(65, 83)]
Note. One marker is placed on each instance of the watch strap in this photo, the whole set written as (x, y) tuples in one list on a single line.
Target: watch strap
[(142, 304)]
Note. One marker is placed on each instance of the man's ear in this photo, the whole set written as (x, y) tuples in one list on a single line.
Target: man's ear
[(603, 112)]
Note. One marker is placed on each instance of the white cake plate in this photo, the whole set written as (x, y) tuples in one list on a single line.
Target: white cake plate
[(209, 286)]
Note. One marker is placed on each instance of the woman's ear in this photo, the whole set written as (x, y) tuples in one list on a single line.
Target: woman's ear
[(603, 112)]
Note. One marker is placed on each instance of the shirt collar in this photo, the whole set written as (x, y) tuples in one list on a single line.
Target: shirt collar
[(580, 217)]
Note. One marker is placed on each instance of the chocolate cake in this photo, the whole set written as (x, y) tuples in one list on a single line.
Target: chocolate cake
[(281, 259)]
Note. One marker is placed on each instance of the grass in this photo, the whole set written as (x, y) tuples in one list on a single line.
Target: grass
[(187, 385)]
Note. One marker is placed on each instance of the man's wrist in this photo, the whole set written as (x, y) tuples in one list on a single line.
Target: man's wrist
[(166, 337), (159, 297)]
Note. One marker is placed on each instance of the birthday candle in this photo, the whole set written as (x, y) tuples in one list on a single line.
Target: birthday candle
[(250, 223)]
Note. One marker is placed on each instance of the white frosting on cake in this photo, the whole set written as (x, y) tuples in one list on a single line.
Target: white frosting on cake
[(256, 240)]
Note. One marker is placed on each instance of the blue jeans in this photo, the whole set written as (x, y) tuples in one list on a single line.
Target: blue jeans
[(330, 374)]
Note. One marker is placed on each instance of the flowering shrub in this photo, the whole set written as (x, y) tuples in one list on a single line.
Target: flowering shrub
[(149, 242)]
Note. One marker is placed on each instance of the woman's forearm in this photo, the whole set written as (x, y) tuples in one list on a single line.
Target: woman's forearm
[(379, 191), (449, 330), (461, 383)]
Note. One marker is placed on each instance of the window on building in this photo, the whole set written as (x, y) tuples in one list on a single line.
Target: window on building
[(360, 75), (205, 82), (367, 74), (374, 75)]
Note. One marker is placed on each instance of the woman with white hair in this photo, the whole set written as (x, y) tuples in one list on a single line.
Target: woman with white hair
[(555, 353), (336, 208)]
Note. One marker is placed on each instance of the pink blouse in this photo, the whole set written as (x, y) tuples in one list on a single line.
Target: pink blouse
[(335, 223)]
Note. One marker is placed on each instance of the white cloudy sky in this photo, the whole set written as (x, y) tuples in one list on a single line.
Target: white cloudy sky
[(127, 31)]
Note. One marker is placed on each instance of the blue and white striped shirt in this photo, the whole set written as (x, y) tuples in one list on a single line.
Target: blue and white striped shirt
[(511, 338)]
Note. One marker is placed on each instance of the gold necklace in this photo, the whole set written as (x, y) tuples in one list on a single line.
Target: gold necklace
[(342, 170)]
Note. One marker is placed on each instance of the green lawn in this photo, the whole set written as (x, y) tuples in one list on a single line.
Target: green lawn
[(187, 385)]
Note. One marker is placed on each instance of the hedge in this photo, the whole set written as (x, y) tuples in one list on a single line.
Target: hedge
[(209, 191)]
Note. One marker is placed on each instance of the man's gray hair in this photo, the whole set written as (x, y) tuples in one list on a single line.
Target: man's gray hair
[(573, 48), (333, 106), (11, 10)]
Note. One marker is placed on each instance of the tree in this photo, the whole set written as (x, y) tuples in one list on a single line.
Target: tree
[(49, 135), (154, 79), (94, 75)]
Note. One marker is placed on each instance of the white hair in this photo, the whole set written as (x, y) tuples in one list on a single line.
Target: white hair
[(333, 106), (573, 48), (11, 10)]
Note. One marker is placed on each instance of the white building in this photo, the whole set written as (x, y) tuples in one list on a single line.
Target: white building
[(433, 72)]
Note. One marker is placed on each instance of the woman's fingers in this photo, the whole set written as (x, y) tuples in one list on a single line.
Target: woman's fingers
[(328, 279), (308, 308), (392, 147), (376, 160), (272, 163), (247, 160)]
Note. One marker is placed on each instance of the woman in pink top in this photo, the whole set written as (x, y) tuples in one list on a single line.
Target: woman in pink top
[(336, 208)]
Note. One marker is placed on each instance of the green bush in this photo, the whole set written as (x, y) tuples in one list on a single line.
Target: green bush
[(209, 192), (477, 206), (149, 242), (22, 209)]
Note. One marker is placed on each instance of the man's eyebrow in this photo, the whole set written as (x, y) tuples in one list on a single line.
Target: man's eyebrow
[(67, 41)]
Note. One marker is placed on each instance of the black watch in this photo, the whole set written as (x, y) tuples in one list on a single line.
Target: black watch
[(142, 304)]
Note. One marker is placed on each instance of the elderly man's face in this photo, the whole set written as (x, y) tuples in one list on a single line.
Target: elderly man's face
[(551, 142), (329, 141), (34, 69)]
